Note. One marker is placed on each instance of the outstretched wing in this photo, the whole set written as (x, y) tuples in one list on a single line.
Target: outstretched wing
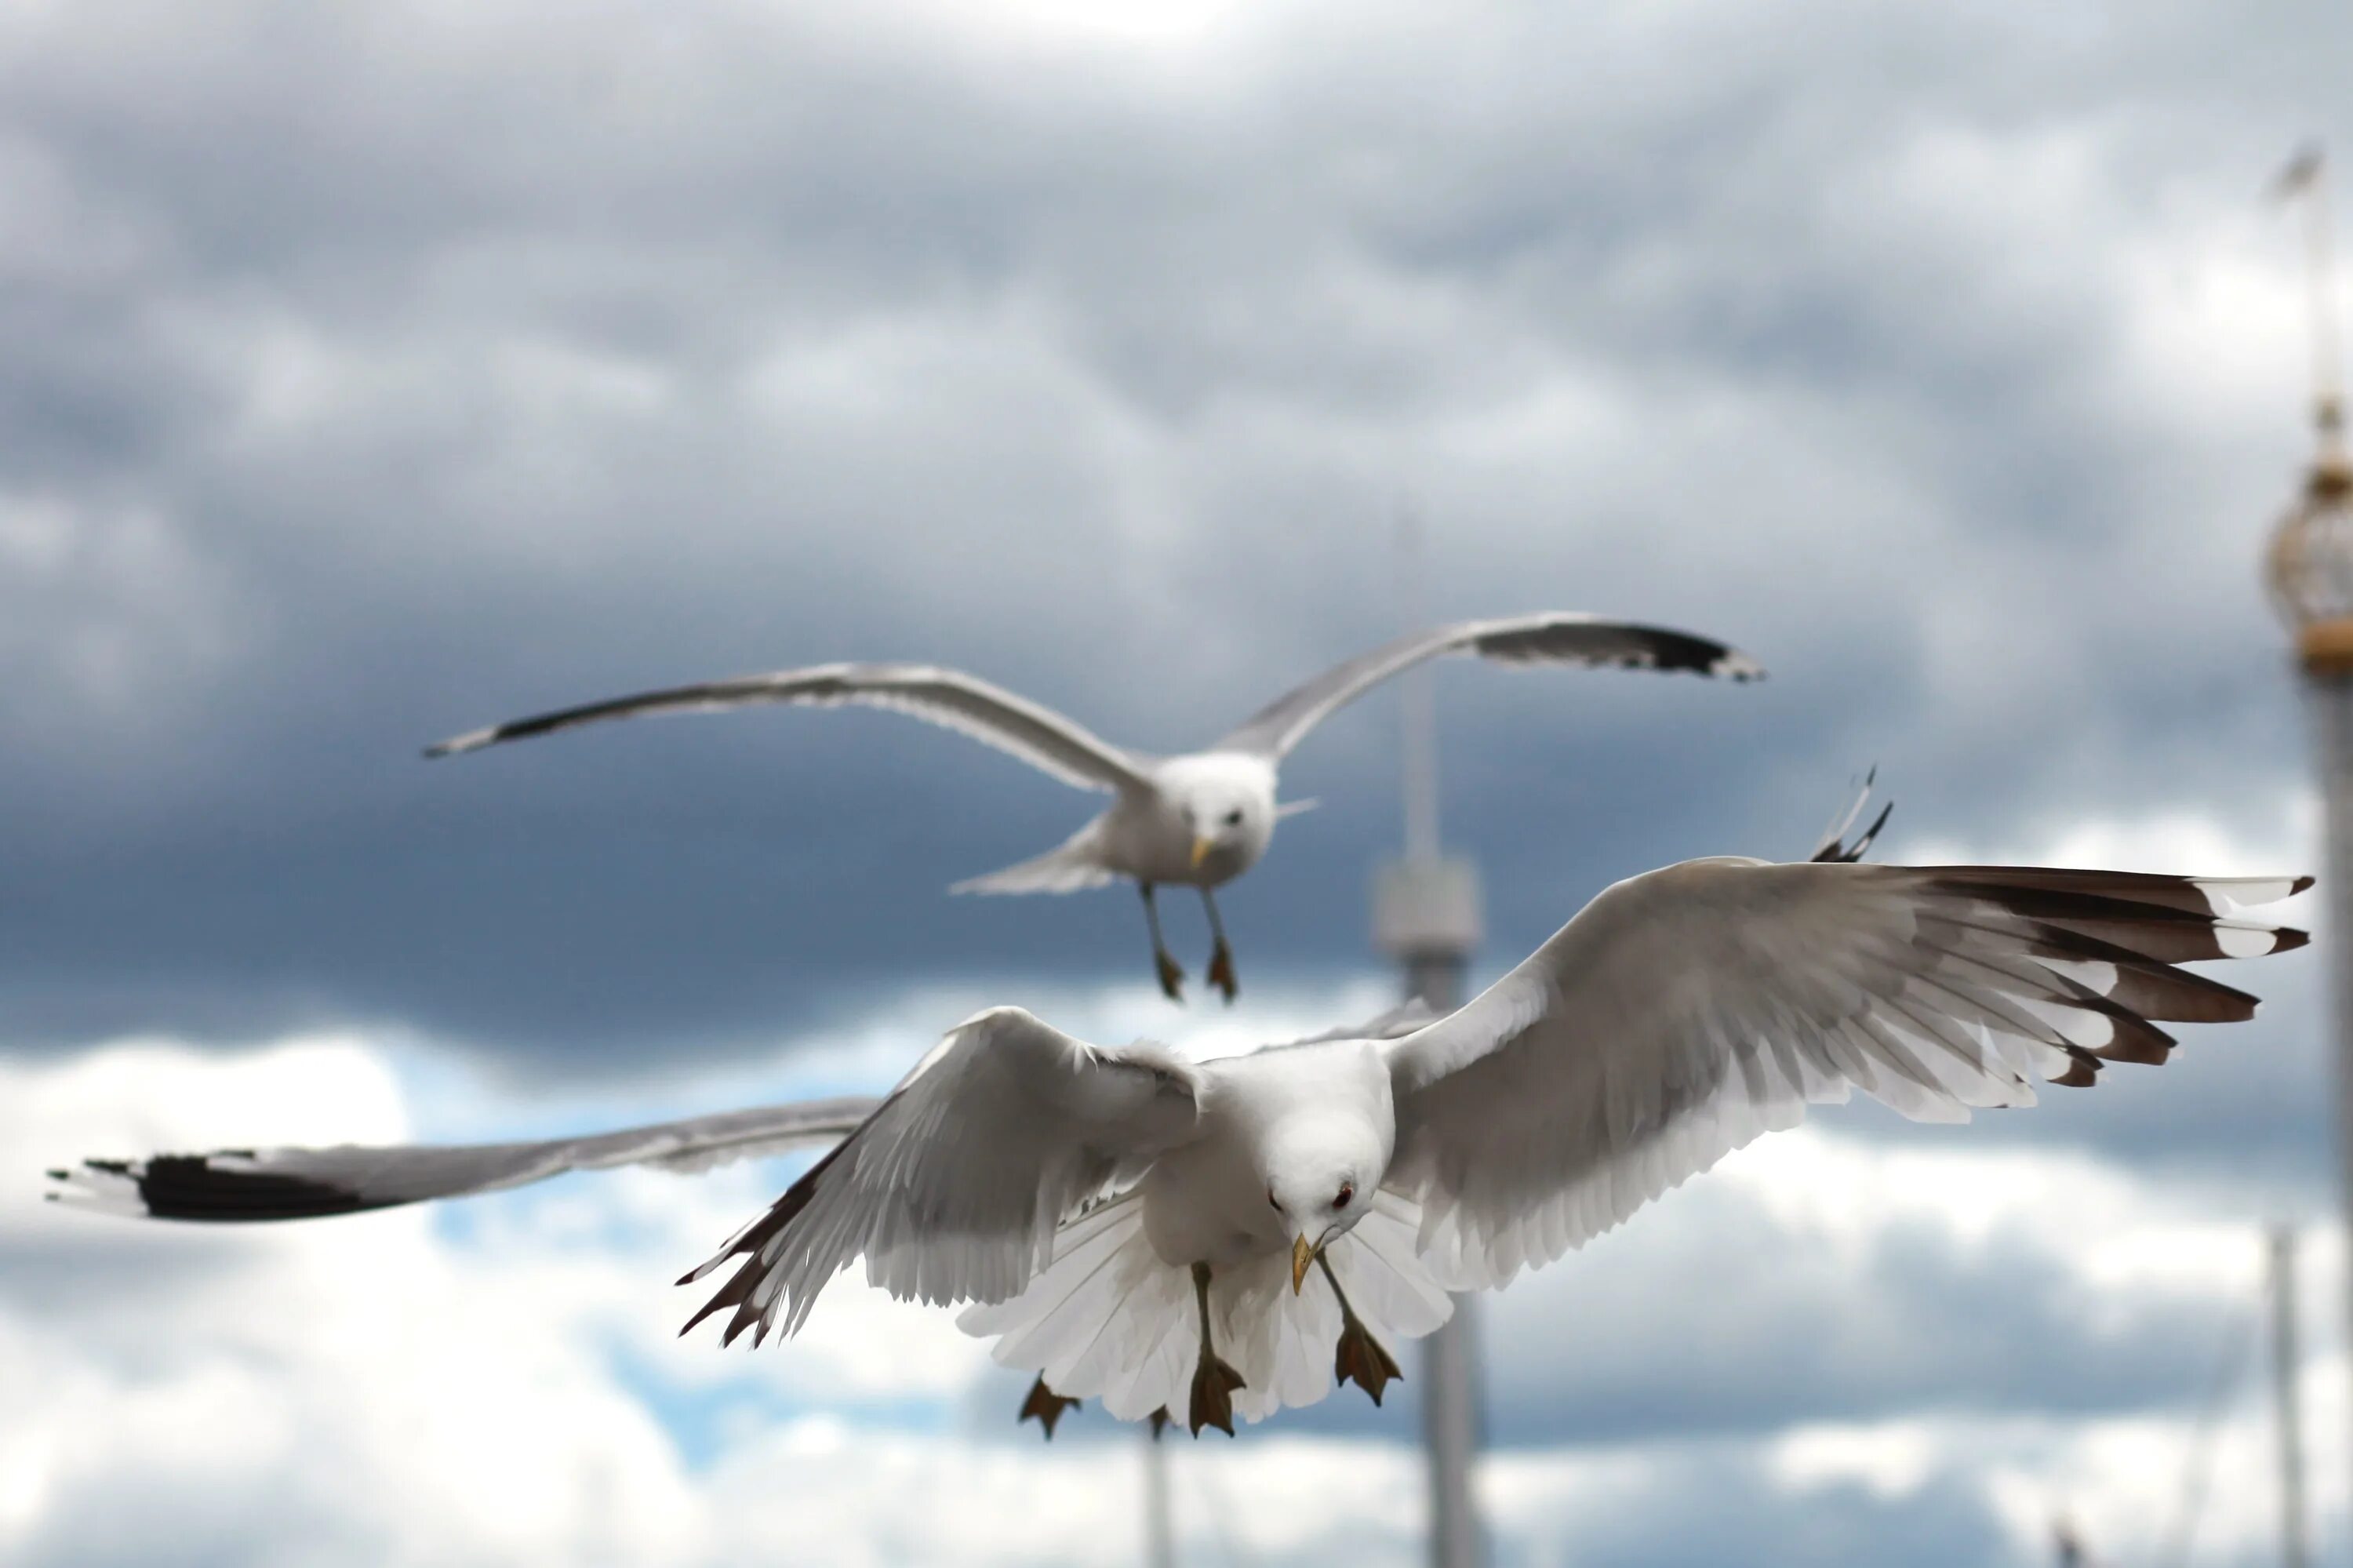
[(1555, 638), (243, 1184), (1686, 1011), (953, 1189), (1393, 1023), (966, 704)]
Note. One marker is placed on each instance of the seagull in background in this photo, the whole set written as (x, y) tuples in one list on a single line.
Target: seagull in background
[(1199, 819)]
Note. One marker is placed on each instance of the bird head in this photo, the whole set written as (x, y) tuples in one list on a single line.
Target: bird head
[(1320, 1180), (1228, 809)]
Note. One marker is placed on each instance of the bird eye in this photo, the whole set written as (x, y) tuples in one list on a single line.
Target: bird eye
[(1347, 1190), (1234, 818)]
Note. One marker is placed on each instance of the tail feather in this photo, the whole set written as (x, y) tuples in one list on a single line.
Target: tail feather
[(1108, 1320), (1069, 866)]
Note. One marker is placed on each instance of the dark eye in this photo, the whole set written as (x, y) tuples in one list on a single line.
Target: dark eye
[(1234, 818), (1347, 1190)]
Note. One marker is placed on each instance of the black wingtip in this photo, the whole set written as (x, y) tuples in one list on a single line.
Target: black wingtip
[(2300, 885), (2287, 939)]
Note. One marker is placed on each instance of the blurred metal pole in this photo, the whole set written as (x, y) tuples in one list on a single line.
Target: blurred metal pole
[(1159, 1539), (2311, 578), (1425, 916), (2294, 1551)]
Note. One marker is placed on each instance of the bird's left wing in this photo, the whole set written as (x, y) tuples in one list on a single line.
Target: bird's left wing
[(244, 1184), (951, 1189), (1552, 637), (1686, 1011)]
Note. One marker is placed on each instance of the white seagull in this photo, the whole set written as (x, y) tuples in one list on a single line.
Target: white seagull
[(1226, 1238), (1198, 819)]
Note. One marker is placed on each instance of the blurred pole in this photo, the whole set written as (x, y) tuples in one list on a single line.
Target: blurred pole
[(1159, 1538), (1425, 916), (2311, 578), (2293, 1550)]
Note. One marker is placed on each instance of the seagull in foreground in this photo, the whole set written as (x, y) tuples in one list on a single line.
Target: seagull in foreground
[(1228, 1237), (1199, 819)]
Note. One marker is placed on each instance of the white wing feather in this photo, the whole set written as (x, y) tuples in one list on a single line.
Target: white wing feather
[(1684, 1011), (1036, 734), (952, 1190), (245, 1184), (1557, 637)]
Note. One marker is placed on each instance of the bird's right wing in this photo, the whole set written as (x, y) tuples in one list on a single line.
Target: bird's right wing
[(1394, 1023), (1686, 1011), (966, 704), (245, 1184), (951, 1189)]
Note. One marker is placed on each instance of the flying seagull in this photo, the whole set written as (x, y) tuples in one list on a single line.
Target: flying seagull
[(1142, 1229), (1199, 819), (1164, 1234)]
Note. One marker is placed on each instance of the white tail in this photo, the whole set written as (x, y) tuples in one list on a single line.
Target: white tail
[(1108, 1320), (1068, 867)]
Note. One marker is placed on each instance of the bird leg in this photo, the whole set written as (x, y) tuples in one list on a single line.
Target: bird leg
[(1361, 1359), (1172, 975), (1159, 1419), (1221, 957), (1045, 1405), (1213, 1381)]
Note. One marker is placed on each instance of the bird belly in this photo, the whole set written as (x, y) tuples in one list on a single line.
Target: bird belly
[(1145, 838), (1206, 1209)]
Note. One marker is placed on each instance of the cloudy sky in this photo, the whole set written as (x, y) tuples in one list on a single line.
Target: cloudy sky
[(371, 372)]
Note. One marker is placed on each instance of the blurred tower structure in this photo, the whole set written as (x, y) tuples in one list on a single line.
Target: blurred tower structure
[(2287, 1362), (1425, 916), (2311, 572)]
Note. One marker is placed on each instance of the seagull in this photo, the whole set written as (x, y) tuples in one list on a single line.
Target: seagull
[(1199, 819), (1235, 1237)]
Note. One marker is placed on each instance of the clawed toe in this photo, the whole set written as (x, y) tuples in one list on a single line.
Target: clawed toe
[(1363, 1361), (1221, 971), (1172, 977), (1214, 1383), (1045, 1405)]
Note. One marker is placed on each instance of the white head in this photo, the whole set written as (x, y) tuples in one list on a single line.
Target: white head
[(1321, 1173), (1227, 804)]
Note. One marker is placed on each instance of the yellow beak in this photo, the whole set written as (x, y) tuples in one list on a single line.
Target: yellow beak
[(1201, 848), (1302, 1255)]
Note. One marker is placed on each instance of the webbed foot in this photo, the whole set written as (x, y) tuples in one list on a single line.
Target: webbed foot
[(1214, 1383), (1221, 972), (1045, 1405), (1363, 1361)]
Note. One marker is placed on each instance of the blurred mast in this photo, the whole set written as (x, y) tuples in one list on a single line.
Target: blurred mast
[(1425, 916), (2311, 578), (2294, 1549), (1159, 1539)]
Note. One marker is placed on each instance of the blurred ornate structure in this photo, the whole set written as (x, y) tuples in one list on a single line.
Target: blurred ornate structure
[(2311, 573)]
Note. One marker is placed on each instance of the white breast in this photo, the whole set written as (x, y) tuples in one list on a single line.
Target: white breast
[(1207, 1202)]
